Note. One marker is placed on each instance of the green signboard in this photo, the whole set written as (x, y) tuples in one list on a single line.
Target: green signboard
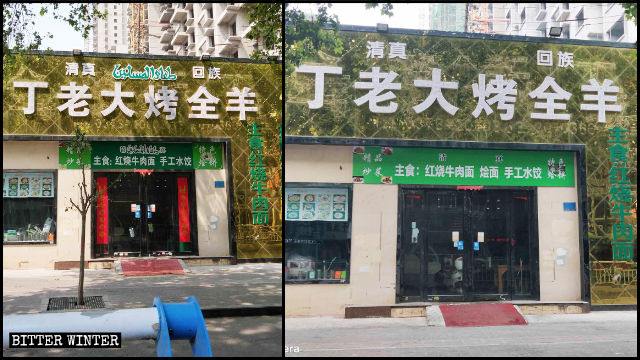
[(406, 165), (145, 155)]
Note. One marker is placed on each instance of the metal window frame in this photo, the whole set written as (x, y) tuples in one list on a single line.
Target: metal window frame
[(55, 205), (347, 186)]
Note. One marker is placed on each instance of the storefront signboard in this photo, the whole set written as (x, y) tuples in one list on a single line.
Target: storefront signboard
[(28, 185), (620, 191), (316, 204), (145, 155), (437, 166), (257, 175)]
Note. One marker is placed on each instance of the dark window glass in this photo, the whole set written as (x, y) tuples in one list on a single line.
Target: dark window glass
[(317, 250)]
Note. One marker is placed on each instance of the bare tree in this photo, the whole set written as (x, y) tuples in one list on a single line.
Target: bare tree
[(88, 196)]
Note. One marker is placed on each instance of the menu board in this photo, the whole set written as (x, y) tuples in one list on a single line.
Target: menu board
[(26, 185), (316, 204)]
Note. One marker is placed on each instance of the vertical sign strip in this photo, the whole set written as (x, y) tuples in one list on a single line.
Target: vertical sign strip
[(103, 211), (183, 210)]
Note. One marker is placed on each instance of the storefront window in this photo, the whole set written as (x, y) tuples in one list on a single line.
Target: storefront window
[(317, 234), (28, 207)]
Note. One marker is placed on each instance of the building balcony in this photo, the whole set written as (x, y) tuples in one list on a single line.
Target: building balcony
[(206, 46), (246, 30), (560, 14), (191, 28), (191, 52), (234, 6), (188, 6), (166, 14), (189, 21), (234, 38), (192, 45), (209, 31), (541, 14), (179, 16), (167, 35), (180, 38), (205, 19), (232, 43), (226, 16)]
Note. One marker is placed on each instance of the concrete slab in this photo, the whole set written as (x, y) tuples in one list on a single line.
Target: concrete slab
[(434, 316)]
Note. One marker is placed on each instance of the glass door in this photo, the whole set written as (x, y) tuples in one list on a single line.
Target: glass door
[(151, 214), (167, 200), (430, 259), (491, 242), (466, 245), (125, 197)]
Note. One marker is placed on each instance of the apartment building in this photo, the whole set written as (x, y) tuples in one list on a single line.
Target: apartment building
[(111, 34), (586, 21), (447, 16), (190, 29), (216, 29)]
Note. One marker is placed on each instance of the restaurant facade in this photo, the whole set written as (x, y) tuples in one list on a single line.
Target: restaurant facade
[(185, 155), (425, 166)]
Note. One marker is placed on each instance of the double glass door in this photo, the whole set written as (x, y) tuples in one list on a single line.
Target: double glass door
[(146, 215), (464, 245)]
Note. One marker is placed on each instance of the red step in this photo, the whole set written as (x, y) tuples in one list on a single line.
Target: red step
[(481, 315), (151, 267)]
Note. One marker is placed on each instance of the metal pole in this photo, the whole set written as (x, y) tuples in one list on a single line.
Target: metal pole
[(163, 322), (132, 323)]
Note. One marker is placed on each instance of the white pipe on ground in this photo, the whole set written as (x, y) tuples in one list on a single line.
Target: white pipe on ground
[(132, 323)]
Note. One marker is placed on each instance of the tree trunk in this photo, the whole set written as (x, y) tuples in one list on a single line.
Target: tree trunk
[(81, 284)]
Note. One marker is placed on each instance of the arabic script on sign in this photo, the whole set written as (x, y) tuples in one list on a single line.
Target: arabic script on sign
[(149, 73)]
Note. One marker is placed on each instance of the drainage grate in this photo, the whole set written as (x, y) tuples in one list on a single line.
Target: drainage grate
[(71, 303)]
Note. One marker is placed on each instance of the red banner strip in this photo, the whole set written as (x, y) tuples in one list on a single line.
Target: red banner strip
[(183, 210), (103, 212)]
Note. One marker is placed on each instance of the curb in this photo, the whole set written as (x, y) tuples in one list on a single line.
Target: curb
[(434, 316), (615, 307), (257, 310)]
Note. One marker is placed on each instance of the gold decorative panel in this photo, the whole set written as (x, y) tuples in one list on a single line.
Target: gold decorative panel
[(265, 80), (462, 60)]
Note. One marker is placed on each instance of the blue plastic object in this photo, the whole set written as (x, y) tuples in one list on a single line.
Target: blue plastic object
[(182, 321)]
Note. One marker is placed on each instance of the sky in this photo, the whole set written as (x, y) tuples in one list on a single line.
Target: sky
[(406, 16), (65, 38)]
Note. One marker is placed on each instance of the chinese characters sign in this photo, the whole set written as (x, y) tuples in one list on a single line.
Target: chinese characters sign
[(316, 204), (145, 155), (206, 100), (620, 191), (102, 211), (257, 176), (403, 165)]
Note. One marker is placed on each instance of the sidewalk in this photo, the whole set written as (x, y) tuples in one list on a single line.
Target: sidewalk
[(251, 287), (245, 285), (602, 333)]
